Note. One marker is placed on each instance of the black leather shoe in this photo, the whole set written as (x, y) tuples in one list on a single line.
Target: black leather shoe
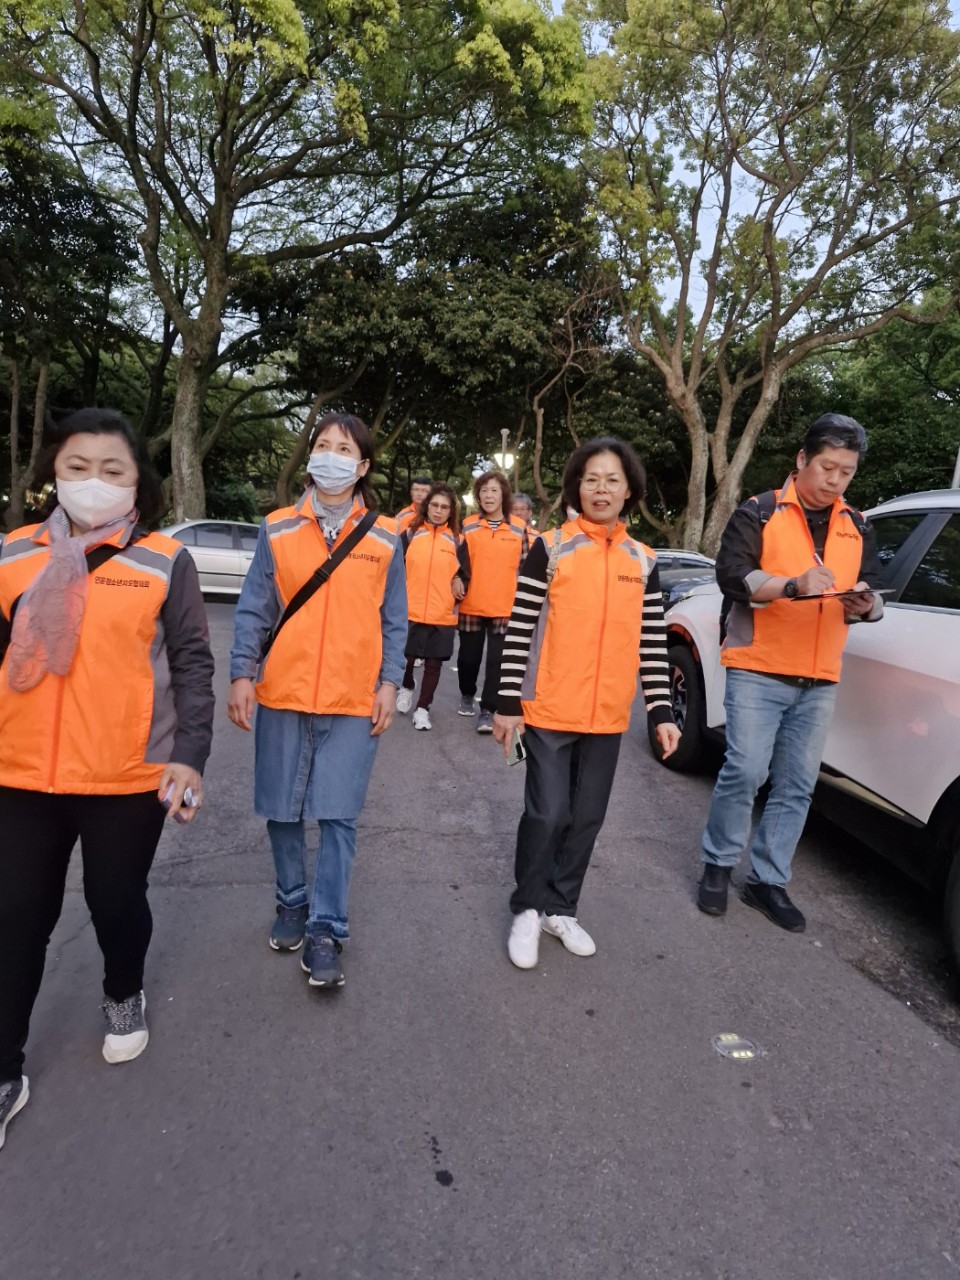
[(772, 900), (712, 890)]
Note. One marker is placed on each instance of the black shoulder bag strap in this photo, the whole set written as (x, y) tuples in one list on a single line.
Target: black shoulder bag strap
[(319, 577), (766, 506), (95, 559)]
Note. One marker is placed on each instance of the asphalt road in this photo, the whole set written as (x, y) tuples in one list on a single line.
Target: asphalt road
[(447, 1115)]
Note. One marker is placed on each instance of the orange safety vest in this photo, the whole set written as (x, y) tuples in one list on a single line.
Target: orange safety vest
[(406, 517), (581, 676), (326, 659), (107, 727), (431, 566), (797, 637), (494, 563)]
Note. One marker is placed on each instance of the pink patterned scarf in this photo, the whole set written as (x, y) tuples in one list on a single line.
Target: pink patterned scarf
[(46, 628)]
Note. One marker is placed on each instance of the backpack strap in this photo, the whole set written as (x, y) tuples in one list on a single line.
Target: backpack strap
[(319, 577), (554, 553)]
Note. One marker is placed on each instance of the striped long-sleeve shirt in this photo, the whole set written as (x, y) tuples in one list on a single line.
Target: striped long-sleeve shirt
[(523, 633)]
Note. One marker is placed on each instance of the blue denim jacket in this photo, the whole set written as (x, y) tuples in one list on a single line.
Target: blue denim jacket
[(259, 608)]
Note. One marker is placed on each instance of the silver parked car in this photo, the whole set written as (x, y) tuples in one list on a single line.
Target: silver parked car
[(221, 549)]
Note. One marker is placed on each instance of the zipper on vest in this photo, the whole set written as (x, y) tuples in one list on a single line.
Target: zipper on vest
[(426, 594), (57, 718), (323, 624), (603, 627)]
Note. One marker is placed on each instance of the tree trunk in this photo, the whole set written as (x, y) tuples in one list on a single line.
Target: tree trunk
[(15, 512), (727, 495), (39, 417), (188, 494), (696, 512)]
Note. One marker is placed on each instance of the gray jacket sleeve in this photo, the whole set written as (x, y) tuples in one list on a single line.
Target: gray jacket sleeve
[(187, 639)]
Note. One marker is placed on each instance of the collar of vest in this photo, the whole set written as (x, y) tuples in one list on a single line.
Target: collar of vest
[(788, 495), (427, 527), (304, 508), (599, 532)]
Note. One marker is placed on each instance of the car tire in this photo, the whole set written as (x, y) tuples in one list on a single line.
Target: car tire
[(686, 688), (951, 909)]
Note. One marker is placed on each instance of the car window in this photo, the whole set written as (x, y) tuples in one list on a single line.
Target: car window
[(187, 536), (215, 535), (892, 532), (248, 536), (936, 580)]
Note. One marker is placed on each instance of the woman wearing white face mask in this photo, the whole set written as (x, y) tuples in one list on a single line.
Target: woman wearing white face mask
[(106, 708), (318, 645)]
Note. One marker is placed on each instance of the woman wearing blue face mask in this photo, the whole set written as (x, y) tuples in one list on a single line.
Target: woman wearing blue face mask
[(323, 666)]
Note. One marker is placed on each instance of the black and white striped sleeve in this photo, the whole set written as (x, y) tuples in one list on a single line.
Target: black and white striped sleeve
[(527, 604), (654, 667)]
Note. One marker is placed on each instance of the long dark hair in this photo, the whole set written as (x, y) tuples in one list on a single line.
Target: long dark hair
[(363, 438), (98, 422), (453, 519)]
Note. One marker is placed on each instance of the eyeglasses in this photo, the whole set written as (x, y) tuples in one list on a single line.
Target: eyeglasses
[(593, 483)]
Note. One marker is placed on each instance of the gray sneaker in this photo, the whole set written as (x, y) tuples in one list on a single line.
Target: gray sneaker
[(127, 1033), (287, 931), (485, 723), (468, 707), (321, 960), (13, 1098)]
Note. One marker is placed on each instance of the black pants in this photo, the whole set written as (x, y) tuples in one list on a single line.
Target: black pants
[(428, 685), (569, 777), (468, 664), (118, 839)]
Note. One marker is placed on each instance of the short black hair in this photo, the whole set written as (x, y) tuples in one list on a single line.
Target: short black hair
[(577, 464), (363, 438), (98, 422), (834, 431), (421, 480)]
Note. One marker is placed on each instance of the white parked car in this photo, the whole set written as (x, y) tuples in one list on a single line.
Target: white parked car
[(221, 549), (891, 765)]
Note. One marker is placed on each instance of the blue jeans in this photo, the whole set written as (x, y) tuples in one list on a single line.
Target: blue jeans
[(774, 729), (331, 878)]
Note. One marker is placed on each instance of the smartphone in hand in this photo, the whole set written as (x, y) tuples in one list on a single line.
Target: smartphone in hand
[(518, 752)]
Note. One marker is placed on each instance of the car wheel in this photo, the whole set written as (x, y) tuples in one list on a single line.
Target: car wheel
[(686, 691), (951, 910)]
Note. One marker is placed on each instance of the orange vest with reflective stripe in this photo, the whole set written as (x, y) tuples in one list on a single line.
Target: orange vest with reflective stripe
[(581, 676), (326, 660), (431, 566), (799, 637), (494, 563), (406, 517), (105, 728)]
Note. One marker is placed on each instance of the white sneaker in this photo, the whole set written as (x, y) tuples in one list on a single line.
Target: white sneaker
[(523, 945), (573, 935), (421, 718), (404, 699), (127, 1033)]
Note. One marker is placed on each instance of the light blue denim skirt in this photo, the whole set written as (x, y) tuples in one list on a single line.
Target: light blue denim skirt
[(311, 766)]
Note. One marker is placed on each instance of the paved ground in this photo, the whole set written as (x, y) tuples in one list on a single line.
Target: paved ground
[(447, 1115)]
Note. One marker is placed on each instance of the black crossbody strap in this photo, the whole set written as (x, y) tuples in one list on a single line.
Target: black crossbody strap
[(319, 577), (95, 558)]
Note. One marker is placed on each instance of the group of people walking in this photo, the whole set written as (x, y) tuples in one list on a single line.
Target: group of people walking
[(106, 703)]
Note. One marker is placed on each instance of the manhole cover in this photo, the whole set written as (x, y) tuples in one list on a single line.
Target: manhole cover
[(729, 1045)]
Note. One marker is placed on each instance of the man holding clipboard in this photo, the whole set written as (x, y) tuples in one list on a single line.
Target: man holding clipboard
[(797, 566)]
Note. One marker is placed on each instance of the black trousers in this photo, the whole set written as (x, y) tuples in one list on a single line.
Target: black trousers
[(468, 664), (569, 777), (118, 839)]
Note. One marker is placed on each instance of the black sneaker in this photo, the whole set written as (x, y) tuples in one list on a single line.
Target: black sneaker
[(126, 1023), (13, 1098), (485, 723), (468, 706), (772, 900), (712, 890), (287, 931), (321, 960)]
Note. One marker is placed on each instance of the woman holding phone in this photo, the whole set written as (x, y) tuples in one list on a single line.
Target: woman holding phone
[(587, 612)]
